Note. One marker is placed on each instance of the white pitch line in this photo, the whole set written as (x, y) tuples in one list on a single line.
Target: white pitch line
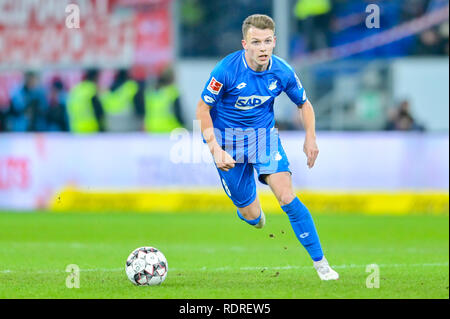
[(8, 271)]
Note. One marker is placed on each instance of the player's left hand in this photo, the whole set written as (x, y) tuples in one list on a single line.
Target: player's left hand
[(311, 150)]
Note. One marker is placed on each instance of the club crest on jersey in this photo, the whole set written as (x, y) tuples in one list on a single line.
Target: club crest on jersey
[(214, 86), (250, 102), (273, 85)]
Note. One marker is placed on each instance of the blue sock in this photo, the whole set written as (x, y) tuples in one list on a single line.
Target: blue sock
[(252, 222), (303, 226)]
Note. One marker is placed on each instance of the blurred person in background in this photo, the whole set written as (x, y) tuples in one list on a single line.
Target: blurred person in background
[(162, 105), (401, 119), (57, 112), (313, 20), (433, 41), (28, 106), (192, 19), (3, 110), (84, 108), (123, 104)]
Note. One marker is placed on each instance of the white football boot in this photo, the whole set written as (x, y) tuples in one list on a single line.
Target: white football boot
[(262, 221), (324, 270)]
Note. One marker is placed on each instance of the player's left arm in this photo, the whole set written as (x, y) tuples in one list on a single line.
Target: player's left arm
[(294, 89), (310, 148)]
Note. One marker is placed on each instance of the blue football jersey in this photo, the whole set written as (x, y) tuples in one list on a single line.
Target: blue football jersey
[(243, 98)]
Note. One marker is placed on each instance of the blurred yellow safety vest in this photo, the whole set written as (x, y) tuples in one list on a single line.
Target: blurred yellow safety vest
[(305, 8), (118, 106), (121, 99), (80, 109), (159, 116)]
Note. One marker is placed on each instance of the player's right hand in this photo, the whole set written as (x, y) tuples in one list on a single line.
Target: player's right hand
[(223, 160)]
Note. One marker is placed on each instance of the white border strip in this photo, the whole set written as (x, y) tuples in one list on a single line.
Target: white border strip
[(288, 267)]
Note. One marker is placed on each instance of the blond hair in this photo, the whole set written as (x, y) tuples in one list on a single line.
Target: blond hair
[(260, 21)]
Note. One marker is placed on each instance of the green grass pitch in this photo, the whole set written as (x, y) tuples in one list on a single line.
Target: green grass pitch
[(219, 256)]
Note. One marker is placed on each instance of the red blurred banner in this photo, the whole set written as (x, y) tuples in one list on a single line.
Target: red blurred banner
[(14, 173), (153, 39), (111, 34)]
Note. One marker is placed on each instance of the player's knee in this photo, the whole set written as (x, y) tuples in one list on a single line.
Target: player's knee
[(250, 213), (286, 197)]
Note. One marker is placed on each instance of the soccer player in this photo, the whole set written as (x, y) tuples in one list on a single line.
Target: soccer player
[(237, 123)]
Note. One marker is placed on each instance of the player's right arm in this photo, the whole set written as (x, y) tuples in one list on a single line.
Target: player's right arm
[(223, 160)]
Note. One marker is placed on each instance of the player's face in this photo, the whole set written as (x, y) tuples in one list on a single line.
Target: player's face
[(258, 45)]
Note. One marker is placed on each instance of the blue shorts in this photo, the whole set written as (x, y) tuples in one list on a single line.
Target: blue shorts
[(239, 182)]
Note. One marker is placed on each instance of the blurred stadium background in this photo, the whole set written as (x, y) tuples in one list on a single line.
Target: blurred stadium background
[(99, 153), (86, 113)]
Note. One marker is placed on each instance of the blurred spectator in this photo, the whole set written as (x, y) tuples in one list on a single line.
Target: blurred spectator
[(3, 110), (123, 104), (57, 112), (213, 28), (84, 108), (162, 105), (320, 24), (192, 16), (432, 42), (401, 119), (412, 9), (313, 21), (326, 23), (28, 107)]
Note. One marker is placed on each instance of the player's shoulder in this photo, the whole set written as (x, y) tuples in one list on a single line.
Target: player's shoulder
[(230, 63), (280, 65)]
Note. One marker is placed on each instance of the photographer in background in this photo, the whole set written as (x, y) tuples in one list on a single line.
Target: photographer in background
[(163, 111), (85, 110), (123, 104), (28, 106), (57, 113), (401, 119)]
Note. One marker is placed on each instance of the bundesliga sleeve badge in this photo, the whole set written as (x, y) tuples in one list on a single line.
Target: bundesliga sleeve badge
[(214, 86)]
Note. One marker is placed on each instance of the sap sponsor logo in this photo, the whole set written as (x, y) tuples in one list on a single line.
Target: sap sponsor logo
[(208, 99), (241, 86), (250, 102)]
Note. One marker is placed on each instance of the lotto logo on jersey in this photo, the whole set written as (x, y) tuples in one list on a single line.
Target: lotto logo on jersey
[(250, 102), (208, 99), (214, 86)]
